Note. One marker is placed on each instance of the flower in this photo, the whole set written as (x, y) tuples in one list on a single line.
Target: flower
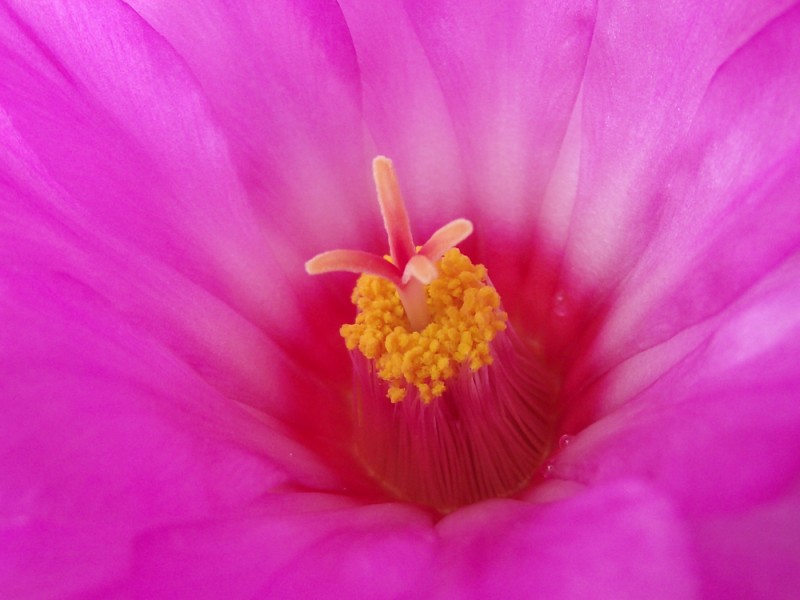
[(174, 386)]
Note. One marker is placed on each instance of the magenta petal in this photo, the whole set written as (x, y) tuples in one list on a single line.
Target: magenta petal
[(496, 549), (711, 418), (298, 548), (446, 101), (105, 434), (696, 382), (206, 337), (151, 207), (646, 75), (620, 541), (161, 185), (284, 83), (752, 553), (728, 207)]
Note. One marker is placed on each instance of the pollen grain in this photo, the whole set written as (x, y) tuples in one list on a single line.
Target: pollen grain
[(465, 318)]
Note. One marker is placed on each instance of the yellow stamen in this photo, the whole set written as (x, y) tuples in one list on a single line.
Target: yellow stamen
[(465, 318)]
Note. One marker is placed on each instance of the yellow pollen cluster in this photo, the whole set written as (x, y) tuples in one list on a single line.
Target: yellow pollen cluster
[(465, 318)]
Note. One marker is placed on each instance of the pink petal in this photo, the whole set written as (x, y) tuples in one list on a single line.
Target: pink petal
[(471, 137), (284, 84), (647, 73), (495, 549), (728, 204), (293, 548), (105, 433), (136, 296), (657, 95), (206, 337), (151, 205), (752, 553), (715, 427), (621, 541), (697, 386)]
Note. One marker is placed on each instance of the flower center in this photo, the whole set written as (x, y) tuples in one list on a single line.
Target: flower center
[(469, 411), (465, 318)]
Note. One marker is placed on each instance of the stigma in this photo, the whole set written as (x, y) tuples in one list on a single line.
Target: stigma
[(408, 267)]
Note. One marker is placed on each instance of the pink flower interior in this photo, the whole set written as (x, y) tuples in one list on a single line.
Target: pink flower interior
[(175, 391)]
